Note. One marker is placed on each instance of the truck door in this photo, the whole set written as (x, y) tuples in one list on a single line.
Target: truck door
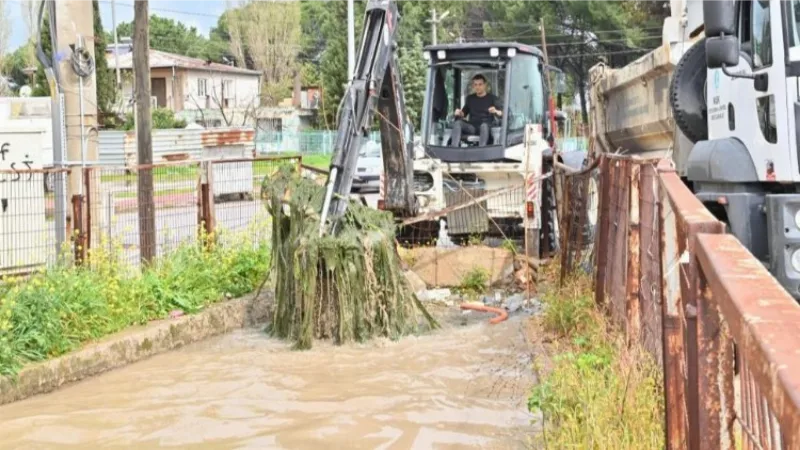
[(756, 111)]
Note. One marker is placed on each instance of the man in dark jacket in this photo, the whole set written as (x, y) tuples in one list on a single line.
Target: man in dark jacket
[(481, 107)]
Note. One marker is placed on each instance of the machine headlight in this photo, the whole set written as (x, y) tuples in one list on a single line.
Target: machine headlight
[(441, 54), (512, 52), (426, 56), (494, 52), (797, 218), (796, 260)]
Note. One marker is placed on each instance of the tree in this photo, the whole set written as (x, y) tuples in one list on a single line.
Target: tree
[(106, 84), (267, 35), (413, 69), (5, 33), (41, 86), (14, 64), (170, 36), (579, 33)]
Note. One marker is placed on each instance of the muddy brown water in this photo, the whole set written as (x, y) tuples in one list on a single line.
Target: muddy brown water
[(464, 386)]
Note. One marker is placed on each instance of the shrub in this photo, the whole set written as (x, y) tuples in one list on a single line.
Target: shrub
[(598, 393), (63, 307)]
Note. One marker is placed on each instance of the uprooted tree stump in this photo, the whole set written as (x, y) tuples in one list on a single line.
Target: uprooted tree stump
[(344, 287)]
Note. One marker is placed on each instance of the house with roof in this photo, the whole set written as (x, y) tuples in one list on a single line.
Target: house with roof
[(193, 88)]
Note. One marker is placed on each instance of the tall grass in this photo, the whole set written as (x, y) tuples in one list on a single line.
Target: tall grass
[(63, 307), (597, 393)]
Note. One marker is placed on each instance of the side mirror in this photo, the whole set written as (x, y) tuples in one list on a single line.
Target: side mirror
[(722, 51), (719, 17)]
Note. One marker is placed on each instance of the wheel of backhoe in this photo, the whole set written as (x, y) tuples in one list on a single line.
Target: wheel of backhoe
[(548, 234)]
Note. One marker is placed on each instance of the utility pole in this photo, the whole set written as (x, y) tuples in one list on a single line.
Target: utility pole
[(434, 23), (75, 39), (141, 73), (351, 41)]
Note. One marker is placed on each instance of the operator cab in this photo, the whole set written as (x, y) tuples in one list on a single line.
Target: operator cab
[(513, 73)]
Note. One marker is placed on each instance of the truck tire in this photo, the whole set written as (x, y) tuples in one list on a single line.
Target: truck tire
[(687, 93), (548, 236)]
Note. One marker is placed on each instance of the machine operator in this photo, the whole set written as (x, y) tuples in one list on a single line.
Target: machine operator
[(481, 107)]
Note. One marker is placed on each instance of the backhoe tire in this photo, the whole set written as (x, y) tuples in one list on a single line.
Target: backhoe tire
[(548, 235), (687, 93)]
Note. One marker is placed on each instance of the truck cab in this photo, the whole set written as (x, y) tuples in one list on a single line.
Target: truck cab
[(514, 73), (448, 173)]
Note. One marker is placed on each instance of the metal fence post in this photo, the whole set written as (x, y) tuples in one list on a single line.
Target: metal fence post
[(715, 371), (632, 306), (79, 245), (87, 183), (601, 237), (673, 344), (206, 222)]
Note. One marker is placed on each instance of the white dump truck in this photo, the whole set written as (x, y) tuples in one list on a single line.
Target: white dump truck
[(720, 96)]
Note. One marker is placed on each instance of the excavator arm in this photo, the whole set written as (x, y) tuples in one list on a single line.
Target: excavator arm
[(376, 86)]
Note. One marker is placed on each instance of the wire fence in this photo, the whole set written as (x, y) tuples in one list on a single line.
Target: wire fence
[(27, 220), (719, 324), (190, 199)]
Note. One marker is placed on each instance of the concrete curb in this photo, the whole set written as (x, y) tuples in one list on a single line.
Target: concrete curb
[(136, 344)]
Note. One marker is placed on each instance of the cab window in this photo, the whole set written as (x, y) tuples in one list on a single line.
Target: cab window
[(526, 95)]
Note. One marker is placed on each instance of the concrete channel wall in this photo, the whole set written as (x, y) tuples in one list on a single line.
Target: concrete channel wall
[(136, 344)]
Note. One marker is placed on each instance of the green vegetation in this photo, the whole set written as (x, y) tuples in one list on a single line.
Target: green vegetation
[(163, 119), (346, 286), (474, 282), (63, 307), (597, 393), (320, 161)]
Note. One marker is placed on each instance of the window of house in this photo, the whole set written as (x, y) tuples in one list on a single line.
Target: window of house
[(762, 45), (227, 93), (202, 87)]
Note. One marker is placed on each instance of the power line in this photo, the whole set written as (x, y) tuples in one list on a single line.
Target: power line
[(602, 53)]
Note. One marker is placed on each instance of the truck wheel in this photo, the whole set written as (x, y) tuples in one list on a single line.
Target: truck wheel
[(687, 93), (548, 235)]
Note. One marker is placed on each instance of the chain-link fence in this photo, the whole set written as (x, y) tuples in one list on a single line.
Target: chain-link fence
[(188, 200)]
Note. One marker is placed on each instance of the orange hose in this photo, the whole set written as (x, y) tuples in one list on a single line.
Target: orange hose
[(501, 313)]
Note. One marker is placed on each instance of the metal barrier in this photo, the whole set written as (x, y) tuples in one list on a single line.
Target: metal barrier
[(702, 305), (190, 199)]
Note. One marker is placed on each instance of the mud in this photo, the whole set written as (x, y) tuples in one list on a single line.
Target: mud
[(464, 386)]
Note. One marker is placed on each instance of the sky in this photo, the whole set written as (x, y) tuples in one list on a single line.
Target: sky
[(201, 14)]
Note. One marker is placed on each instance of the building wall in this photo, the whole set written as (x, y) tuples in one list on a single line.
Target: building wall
[(174, 87), (245, 90)]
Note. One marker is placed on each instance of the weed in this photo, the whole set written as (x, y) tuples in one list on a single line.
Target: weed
[(475, 281), (510, 245), (58, 309), (598, 393), (475, 240)]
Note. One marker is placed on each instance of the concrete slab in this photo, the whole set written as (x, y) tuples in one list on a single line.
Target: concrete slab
[(446, 267)]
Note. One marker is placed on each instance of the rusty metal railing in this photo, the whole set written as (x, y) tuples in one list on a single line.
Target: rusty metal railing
[(723, 329)]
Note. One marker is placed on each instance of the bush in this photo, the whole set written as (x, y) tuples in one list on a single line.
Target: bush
[(163, 119), (59, 309), (597, 393)]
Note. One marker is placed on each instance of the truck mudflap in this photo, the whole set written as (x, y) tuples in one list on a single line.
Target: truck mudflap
[(783, 234)]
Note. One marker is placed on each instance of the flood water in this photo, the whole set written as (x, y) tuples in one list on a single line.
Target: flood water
[(462, 387)]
